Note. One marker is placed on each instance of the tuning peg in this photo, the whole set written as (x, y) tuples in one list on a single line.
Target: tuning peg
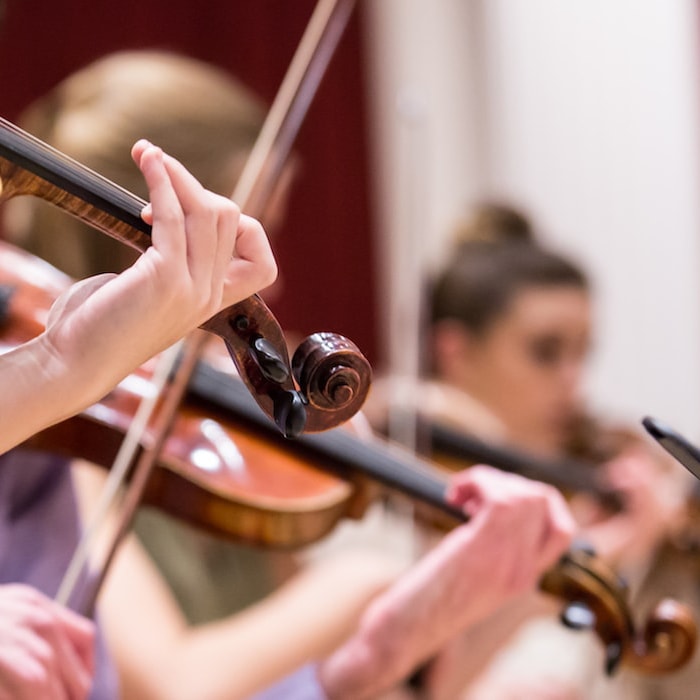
[(289, 413), (270, 361), (6, 292), (578, 616), (613, 656)]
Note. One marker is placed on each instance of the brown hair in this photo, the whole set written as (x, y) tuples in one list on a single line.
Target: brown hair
[(196, 112), (495, 257)]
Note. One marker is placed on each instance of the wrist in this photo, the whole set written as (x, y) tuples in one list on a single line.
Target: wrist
[(66, 384), (369, 663), (35, 392)]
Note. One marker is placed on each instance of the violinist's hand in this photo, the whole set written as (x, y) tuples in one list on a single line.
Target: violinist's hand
[(518, 528), (46, 651), (205, 255), (652, 501)]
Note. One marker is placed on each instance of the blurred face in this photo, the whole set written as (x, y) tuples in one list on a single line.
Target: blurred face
[(526, 367)]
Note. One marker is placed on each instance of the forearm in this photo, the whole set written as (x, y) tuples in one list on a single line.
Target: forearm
[(383, 654), (305, 620), (239, 655), (517, 529), (399, 631), (41, 384), (35, 391)]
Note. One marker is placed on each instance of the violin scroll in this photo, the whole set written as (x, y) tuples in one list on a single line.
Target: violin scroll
[(333, 375), (596, 599), (668, 641)]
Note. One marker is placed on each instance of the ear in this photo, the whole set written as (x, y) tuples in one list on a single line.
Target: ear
[(452, 347)]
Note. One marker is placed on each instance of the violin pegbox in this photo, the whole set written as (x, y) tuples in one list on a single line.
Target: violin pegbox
[(324, 386)]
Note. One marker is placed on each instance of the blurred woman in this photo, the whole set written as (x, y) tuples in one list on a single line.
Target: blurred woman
[(511, 331)]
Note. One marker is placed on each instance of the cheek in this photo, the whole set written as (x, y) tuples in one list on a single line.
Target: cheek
[(519, 371), (511, 380), (531, 390)]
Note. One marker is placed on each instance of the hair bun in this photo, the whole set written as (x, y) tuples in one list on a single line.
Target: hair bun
[(492, 222)]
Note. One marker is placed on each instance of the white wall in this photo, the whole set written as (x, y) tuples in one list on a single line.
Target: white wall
[(418, 64), (586, 113)]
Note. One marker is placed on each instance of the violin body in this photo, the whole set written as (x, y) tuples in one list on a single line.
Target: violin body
[(211, 473)]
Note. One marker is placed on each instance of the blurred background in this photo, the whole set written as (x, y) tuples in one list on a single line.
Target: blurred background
[(583, 114)]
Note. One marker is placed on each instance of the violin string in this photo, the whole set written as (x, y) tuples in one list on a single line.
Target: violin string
[(116, 477)]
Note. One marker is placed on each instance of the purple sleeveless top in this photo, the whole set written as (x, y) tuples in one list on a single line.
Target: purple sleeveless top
[(302, 685), (39, 531)]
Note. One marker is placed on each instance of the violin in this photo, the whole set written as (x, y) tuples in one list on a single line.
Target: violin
[(590, 446), (226, 469), (569, 475)]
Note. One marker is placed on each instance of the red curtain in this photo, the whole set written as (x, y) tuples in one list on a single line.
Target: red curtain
[(325, 250)]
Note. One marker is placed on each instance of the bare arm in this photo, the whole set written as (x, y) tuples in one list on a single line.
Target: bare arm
[(160, 658)]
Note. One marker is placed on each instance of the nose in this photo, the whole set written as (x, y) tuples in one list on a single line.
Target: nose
[(571, 374)]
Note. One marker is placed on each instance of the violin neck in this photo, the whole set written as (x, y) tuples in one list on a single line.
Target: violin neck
[(28, 166), (396, 468), (342, 451), (567, 475)]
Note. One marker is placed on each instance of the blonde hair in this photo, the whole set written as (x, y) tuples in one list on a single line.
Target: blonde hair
[(194, 111)]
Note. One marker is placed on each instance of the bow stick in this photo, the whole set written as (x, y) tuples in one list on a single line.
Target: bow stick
[(254, 187)]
